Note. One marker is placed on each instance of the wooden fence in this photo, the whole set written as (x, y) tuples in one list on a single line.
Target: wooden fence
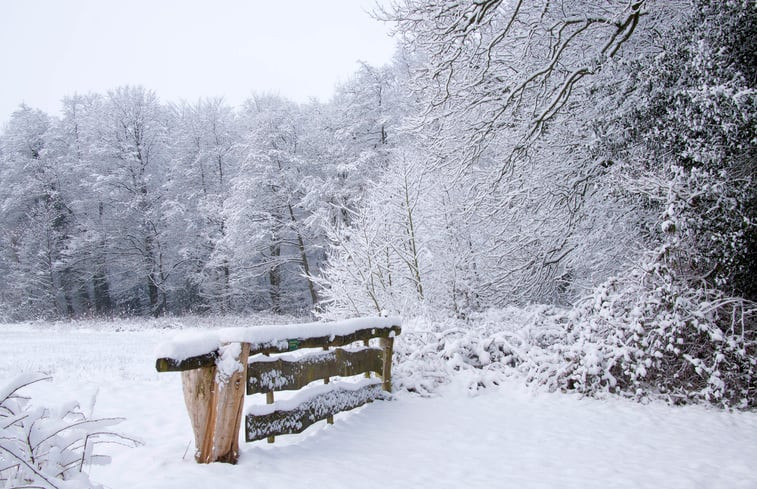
[(217, 371)]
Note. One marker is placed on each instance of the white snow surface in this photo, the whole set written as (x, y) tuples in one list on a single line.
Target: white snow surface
[(508, 437), (199, 342)]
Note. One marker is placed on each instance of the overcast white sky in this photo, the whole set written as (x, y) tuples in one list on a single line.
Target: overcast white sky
[(183, 49)]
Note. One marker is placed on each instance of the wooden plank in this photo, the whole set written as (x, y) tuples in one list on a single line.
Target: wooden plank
[(309, 412), (281, 374), (191, 363), (208, 359), (321, 341)]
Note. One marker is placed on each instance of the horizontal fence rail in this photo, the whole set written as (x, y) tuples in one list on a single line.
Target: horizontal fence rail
[(208, 359), (219, 367), (282, 374), (309, 411)]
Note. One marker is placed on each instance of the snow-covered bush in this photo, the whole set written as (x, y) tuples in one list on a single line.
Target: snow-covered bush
[(482, 350), (649, 336), (49, 448), (641, 337)]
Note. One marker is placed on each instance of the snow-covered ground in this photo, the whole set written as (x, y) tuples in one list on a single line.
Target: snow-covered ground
[(504, 437)]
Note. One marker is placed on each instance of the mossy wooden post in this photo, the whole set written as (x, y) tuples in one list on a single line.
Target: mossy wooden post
[(269, 400), (215, 411), (387, 344)]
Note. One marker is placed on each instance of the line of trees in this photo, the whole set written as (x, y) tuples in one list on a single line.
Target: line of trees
[(126, 205)]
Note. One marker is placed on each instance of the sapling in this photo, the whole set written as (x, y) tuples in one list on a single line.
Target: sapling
[(50, 447)]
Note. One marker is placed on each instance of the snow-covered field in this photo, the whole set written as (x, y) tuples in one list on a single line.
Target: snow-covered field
[(508, 437)]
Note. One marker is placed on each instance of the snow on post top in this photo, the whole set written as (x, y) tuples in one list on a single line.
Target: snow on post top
[(195, 343)]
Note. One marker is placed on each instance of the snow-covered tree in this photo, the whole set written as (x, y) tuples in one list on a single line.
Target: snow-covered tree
[(36, 219), (508, 123), (203, 164), (131, 149), (268, 208)]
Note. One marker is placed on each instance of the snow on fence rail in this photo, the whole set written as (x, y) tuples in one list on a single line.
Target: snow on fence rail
[(217, 370)]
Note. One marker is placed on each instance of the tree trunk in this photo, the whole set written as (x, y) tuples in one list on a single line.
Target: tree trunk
[(414, 265), (274, 277), (101, 290), (152, 279), (303, 257)]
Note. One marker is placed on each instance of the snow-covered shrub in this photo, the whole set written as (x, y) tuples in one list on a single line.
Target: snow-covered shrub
[(646, 335), (669, 326), (482, 350), (641, 337), (428, 354), (649, 336), (49, 448)]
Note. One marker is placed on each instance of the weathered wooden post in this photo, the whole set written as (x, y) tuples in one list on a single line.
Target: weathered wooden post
[(367, 344), (199, 396), (387, 344), (215, 397), (326, 380), (269, 400)]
